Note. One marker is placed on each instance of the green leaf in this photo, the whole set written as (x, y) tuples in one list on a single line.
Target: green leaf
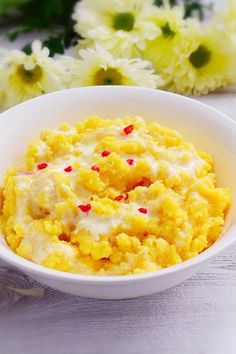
[(17, 31), (27, 49), (161, 2), (70, 37), (7, 6), (52, 16), (54, 44), (192, 6)]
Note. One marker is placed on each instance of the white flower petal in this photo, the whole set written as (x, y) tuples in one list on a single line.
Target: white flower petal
[(134, 71), (50, 75), (94, 21)]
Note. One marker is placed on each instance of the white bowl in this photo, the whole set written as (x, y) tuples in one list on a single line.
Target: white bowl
[(208, 129)]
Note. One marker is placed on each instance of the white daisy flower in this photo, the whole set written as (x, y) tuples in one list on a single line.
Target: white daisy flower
[(174, 28), (27, 76), (99, 67), (122, 26), (202, 63)]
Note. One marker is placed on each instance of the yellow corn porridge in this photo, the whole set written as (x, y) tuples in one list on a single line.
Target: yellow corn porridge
[(112, 197)]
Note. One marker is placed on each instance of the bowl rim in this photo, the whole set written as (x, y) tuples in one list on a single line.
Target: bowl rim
[(29, 267)]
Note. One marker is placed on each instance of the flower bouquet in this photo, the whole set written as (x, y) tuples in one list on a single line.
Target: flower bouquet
[(155, 44)]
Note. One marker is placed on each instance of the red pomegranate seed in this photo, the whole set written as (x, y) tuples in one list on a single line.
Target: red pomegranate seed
[(128, 130), (68, 169), (126, 196), (42, 166), (105, 153), (85, 207), (142, 210), (64, 237), (130, 162), (95, 168), (118, 198), (138, 184), (142, 183)]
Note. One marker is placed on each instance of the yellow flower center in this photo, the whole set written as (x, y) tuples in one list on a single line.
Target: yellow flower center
[(167, 31), (200, 57), (30, 76), (108, 77), (124, 21)]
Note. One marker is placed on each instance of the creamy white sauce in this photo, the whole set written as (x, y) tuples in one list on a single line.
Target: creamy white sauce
[(101, 225), (195, 195), (97, 225), (87, 153), (42, 246), (41, 149), (71, 131), (175, 169), (23, 183), (153, 163), (86, 149)]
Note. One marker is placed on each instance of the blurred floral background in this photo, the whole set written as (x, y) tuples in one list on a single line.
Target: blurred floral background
[(183, 46)]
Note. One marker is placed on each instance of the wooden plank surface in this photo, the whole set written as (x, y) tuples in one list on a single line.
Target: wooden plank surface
[(197, 317)]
